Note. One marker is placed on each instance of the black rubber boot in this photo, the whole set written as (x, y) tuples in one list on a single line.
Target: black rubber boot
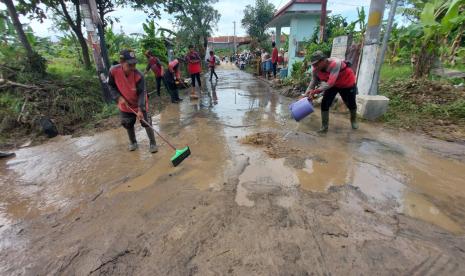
[(353, 118), (324, 122), (132, 139), (153, 144)]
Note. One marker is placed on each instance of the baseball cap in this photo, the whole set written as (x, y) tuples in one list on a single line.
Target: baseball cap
[(128, 56), (317, 56)]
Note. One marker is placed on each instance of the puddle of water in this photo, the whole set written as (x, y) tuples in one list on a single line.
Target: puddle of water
[(319, 175), (377, 183), (417, 206), (264, 176)]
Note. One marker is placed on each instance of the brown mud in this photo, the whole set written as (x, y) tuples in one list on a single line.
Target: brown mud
[(371, 202)]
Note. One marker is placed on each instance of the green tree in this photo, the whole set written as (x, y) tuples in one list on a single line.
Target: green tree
[(439, 20), (256, 18), (35, 62), (151, 40), (195, 20)]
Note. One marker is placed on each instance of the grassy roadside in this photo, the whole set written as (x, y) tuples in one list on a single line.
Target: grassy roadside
[(69, 95), (434, 107)]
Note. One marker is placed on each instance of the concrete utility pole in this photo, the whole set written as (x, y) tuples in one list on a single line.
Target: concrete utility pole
[(323, 20), (370, 47), (235, 49), (379, 62), (91, 19)]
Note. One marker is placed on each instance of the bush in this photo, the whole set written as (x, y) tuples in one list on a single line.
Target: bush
[(298, 74)]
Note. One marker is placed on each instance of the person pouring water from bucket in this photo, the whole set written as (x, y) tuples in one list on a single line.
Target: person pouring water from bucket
[(331, 76)]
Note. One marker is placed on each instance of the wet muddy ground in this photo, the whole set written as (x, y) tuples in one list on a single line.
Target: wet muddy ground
[(260, 195)]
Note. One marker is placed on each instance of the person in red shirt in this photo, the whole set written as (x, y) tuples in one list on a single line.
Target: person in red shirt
[(332, 75), (212, 65), (127, 87), (155, 65), (194, 67), (171, 77), (274, 58)]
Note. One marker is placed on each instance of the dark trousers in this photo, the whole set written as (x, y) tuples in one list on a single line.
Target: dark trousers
[(275, 66), (159, 81), (212, 71), (173, 90), (128, 120), (196, 76), (347, 95)]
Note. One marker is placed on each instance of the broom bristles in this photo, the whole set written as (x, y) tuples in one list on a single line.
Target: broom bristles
[(180, 156)]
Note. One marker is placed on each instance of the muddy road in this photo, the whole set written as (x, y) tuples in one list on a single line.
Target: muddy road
[(260, 195)]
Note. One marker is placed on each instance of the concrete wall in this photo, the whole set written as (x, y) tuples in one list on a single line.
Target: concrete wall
[(304, 7), (302, 28)]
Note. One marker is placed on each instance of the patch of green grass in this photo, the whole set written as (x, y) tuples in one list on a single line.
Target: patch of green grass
[(10, 103), (459, 67), (395, 72), (107, 111), (65, 67), (406, 114)]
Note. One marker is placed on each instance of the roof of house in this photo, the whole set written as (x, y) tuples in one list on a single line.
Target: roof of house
[(289, 4), (295, 7)]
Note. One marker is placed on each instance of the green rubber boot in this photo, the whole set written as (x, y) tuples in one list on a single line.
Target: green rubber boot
[(353, 119), (324, 122)]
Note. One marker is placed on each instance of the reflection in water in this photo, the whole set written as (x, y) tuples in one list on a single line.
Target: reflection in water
[(417, 206)]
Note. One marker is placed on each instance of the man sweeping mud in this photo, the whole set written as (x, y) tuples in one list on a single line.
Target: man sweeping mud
[(332, 76), (127, 87)]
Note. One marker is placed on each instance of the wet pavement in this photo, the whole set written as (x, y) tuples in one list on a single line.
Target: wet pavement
[(372, 201)]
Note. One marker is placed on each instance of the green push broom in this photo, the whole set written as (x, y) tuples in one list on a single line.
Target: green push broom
[(180, 154)]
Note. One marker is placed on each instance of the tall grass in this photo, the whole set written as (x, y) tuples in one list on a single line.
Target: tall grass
[(395, 72)]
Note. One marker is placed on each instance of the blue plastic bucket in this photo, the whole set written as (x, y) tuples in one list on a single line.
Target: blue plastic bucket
[(301, 109)]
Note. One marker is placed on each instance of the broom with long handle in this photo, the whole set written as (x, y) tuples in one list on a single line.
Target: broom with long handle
[(180, 154)]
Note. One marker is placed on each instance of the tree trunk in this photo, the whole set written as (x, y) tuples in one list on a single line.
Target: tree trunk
[(423, 63), (445, 41), (18, 27), (76, 28), (85, 50), (456, 44)]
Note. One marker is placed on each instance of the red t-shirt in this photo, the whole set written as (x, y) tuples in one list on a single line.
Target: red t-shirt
[(193, 63), (127, 87), (156, 67), (212, 61), (345, 78), (274, 55)]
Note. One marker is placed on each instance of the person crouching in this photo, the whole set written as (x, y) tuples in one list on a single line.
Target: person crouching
[(171, 76), (127, 87)]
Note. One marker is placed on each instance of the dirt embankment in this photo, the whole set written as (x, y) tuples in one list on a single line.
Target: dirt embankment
[(431, 107)]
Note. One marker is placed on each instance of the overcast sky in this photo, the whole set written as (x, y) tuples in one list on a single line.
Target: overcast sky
[(131, 21)]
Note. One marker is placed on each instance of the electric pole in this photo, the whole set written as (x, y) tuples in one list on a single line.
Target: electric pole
[(323, 20), (379, 62), (91, 20), (370, 47), (235, 49)]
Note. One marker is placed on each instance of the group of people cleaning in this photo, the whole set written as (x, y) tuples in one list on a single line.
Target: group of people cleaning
[(330, 76), (127, 87)]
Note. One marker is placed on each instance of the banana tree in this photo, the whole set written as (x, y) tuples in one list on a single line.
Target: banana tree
[(151, 40), (439, 18)]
